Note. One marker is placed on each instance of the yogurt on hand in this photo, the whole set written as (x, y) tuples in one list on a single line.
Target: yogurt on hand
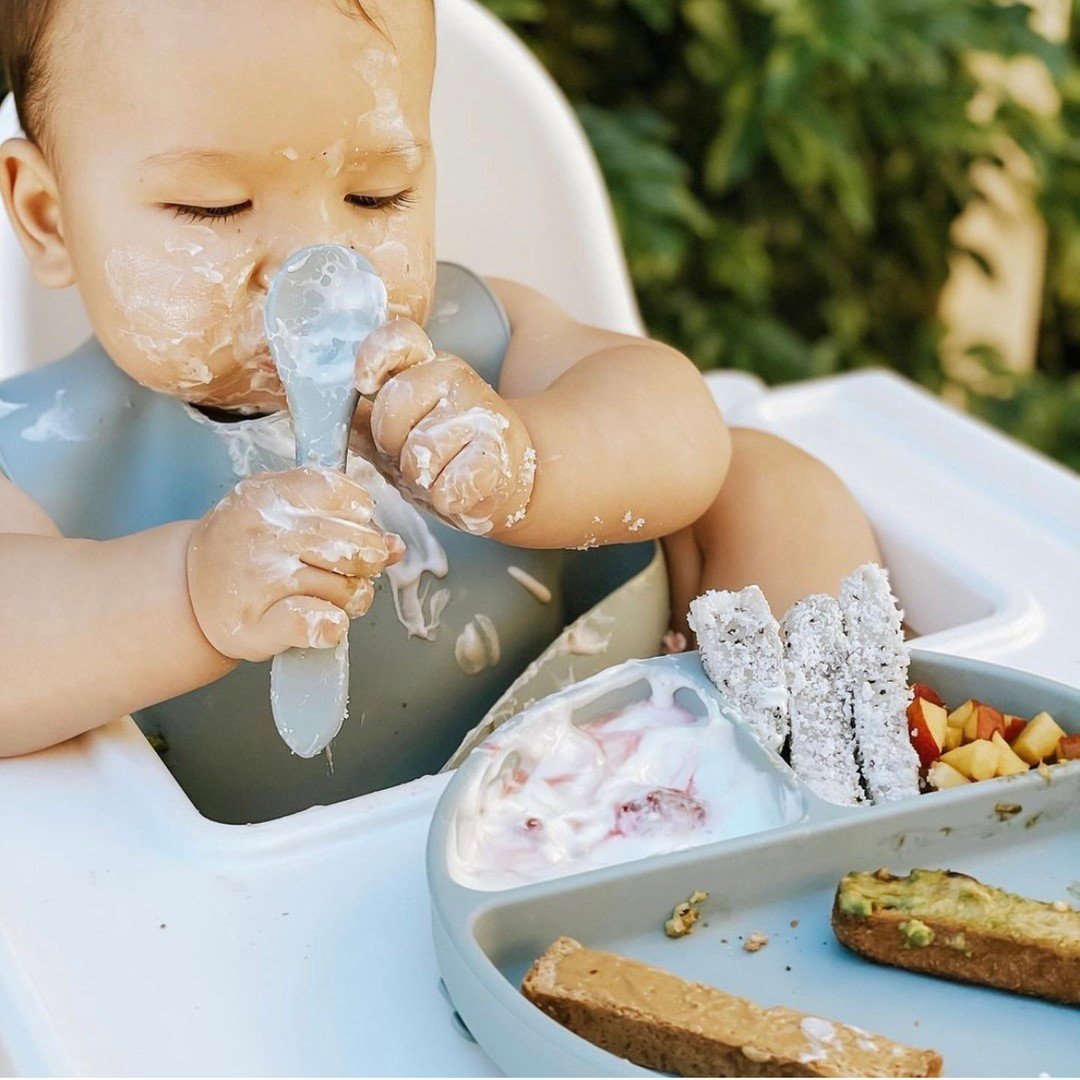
[(548, 796)]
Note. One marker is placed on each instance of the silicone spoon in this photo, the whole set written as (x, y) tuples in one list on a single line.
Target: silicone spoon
[(323, 302)]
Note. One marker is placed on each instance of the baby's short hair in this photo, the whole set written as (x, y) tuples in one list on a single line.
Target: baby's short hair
[(24, 25), (24, 31)]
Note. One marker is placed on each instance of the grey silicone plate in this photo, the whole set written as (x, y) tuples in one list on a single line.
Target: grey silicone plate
[(485, 941)]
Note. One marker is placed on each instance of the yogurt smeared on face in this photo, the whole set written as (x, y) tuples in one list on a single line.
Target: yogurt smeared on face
[(553, 794)]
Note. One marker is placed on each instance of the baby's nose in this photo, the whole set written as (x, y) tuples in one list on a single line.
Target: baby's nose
[(265, 270), (276, 252)]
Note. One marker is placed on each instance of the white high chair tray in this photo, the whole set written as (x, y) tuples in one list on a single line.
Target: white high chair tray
[(138, 938)]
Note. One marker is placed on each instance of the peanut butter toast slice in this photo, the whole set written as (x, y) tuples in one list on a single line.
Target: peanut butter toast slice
[(953, 926), (659, 1021)]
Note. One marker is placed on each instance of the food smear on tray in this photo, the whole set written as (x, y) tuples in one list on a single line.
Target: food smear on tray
[(978, 742), (953, 926), (558, 794), (660, 1021)]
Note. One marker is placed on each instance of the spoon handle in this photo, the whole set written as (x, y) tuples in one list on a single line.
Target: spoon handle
[(309, 688)]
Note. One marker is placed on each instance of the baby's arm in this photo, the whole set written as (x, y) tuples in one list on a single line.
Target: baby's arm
[(631, 443), (90, 631), (625, 437), (93, 630)]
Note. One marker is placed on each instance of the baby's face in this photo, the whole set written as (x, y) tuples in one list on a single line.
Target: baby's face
[(198, 142)]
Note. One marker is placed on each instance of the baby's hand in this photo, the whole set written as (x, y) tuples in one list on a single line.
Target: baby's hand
[(454, 442), (286, 559)]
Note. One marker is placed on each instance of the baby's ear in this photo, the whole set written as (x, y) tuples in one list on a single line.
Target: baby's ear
[(33, 204)]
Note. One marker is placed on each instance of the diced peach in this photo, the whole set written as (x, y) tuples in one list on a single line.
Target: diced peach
[(970, 724), (982, 722), (928, 693), (989, 720), (942, 775), (960, 714), (1013, 726), (937, 719), (926, 726), (976, 760), (1069, 748), (954, 737), (1008, 763), (923, 743), (1039, 739)]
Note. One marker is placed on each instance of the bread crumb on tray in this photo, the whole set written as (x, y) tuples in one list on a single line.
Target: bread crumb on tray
[(685, 915), (756, 942)]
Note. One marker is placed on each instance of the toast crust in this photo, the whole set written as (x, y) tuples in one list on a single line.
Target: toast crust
[(952, 926), (659, 1021)]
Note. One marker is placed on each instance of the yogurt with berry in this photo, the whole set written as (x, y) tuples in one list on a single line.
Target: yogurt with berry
[(575, 783)]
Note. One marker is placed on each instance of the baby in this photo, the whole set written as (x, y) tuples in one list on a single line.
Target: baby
[(153, 535)]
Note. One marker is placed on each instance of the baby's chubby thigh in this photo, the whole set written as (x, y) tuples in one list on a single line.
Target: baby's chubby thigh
[(783, 520)]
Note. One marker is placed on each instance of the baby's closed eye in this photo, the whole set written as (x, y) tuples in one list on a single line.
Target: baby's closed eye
[(208, 213), (383, 202)]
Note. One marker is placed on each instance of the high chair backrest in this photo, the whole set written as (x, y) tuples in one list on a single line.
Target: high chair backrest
[(520, 195)]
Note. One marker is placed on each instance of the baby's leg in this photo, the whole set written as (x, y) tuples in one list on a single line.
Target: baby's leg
[(782, 520)]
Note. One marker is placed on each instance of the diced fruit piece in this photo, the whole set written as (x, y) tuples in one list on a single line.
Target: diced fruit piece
[(988, 721), (664, 809), (928, 693), (1039, 739), (1069, 748), (960, 714), (933, 716), (976, 760), (937, 720), (954, 737), (1008, 763), (1013, 726), (926, 726), (927, 750), (982, 722), (943, 775)]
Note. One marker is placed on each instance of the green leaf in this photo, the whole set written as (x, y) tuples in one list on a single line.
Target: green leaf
[(658, 14)]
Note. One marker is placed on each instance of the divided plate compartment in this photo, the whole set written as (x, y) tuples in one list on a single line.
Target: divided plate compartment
[(781, 882)]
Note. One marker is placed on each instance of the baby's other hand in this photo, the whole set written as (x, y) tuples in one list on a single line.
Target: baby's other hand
[(450, 437), (286, 559), (391, 348)]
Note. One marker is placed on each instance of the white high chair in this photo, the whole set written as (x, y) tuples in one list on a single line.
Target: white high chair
[(139, 938)]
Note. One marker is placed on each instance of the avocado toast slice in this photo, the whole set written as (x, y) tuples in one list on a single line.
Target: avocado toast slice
[(947, 924)]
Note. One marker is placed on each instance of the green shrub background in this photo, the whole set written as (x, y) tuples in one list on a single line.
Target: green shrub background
[(785, 173)]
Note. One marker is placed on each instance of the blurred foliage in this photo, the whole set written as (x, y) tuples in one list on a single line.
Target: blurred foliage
[(785, 174)]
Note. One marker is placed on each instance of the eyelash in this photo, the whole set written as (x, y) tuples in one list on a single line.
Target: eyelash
[(383, 202), (226, 213), (208, 213)]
